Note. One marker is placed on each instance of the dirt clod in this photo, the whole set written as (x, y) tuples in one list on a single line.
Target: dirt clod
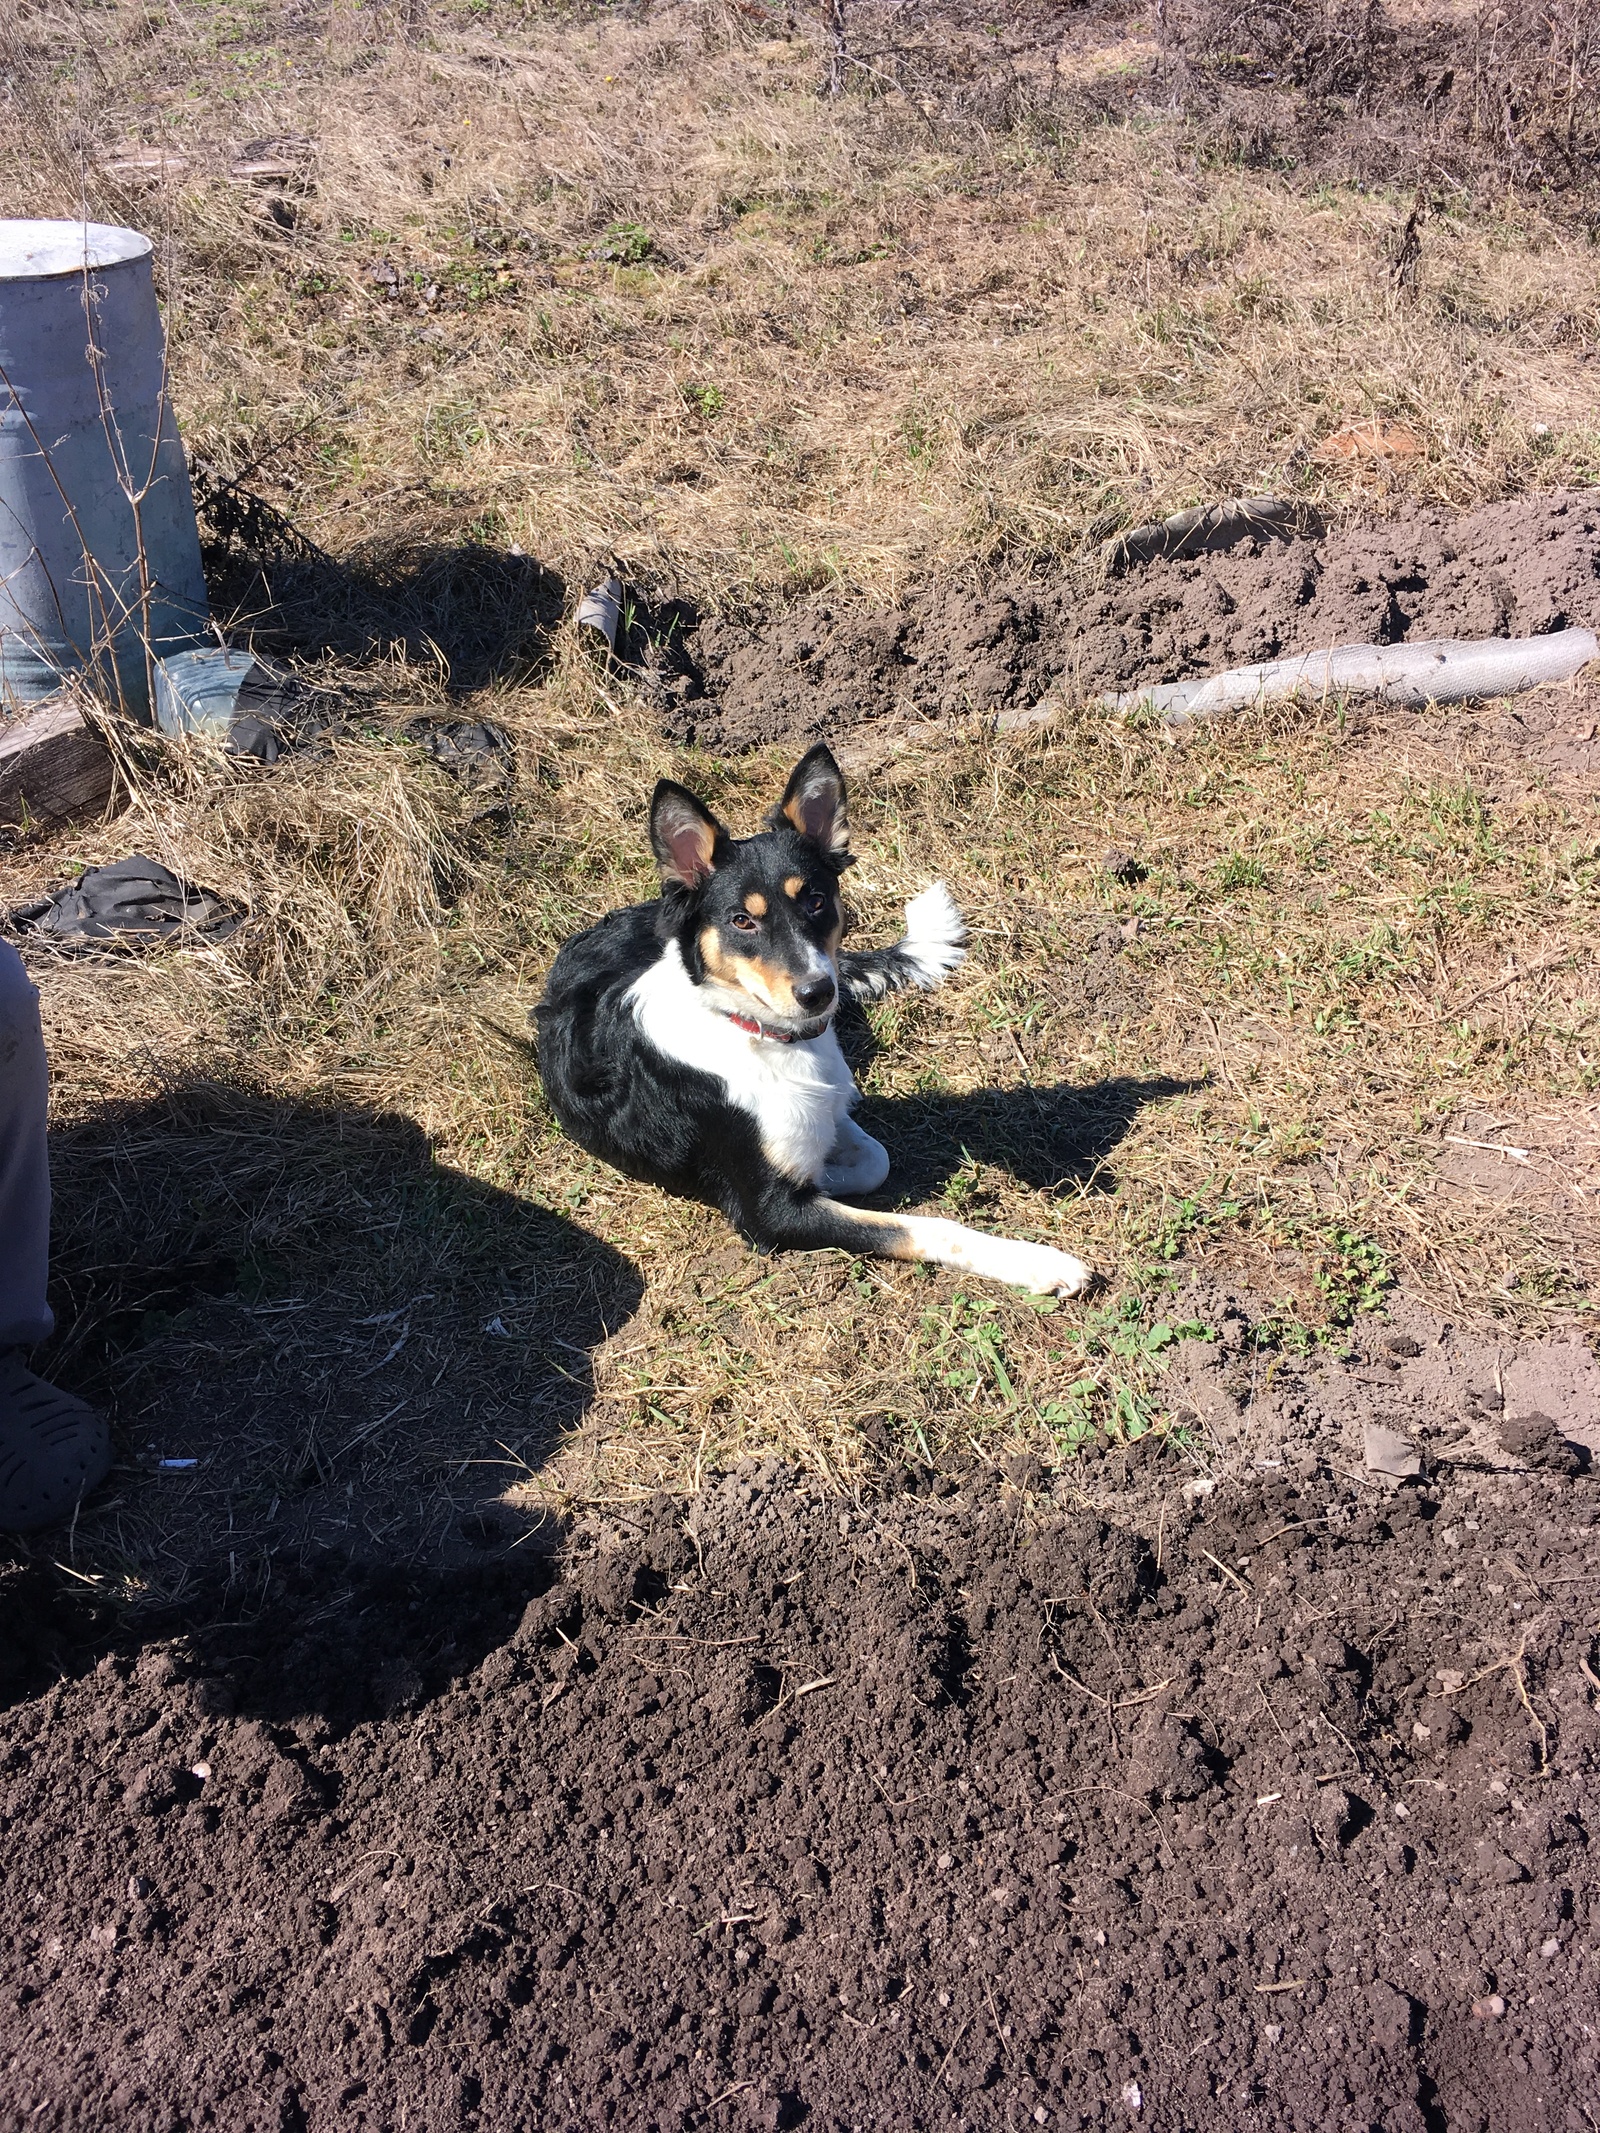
[(1535, 1440)]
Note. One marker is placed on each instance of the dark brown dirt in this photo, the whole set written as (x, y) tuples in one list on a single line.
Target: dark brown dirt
[(953, 1808), (953, 651)]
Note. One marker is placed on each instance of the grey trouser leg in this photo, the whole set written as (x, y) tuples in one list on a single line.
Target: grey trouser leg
[(25, 1317)]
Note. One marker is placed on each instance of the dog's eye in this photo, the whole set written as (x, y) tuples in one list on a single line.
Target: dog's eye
[(744, 923), (813, 903)]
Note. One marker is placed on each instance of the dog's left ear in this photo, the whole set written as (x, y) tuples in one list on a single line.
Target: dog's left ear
[(814, 801)]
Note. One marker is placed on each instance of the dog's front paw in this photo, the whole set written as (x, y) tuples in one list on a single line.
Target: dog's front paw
[(1052, 1273), (1036, 1267)]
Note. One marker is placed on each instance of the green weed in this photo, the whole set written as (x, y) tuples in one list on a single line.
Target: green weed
[(920, 442), (1239, 871), (964, 1351), (1188, 1223), (1122, 1355), (625, 244), (1352, 1272), (706, 401)]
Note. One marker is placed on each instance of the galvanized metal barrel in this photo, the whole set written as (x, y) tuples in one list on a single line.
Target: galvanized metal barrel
[(99, 554)]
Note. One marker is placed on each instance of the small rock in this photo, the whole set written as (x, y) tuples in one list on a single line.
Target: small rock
[(1549, 1947), (1402, 1344), (1133, 2096), (1490, 2008), (1385, 1451)]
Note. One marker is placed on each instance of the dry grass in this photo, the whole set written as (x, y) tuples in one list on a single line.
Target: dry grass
[(1456, 95), (862, 343), (856, 342)]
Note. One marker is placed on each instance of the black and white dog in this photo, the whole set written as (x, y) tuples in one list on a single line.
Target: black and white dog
[(690, 1041)]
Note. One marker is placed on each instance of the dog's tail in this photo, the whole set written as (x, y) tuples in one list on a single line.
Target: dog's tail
[(935, 941)]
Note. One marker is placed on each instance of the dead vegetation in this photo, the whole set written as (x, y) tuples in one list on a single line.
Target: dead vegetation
[(533, 291), (1467, 97), (622, 284), (1317, 961)]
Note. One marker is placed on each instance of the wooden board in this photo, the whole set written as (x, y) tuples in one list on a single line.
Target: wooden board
[(52, 765)]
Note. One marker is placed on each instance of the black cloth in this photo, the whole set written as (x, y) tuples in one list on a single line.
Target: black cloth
[(136, 900)]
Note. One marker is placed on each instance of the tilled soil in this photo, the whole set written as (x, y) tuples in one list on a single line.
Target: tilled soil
[(949, 650), (951, 1808)]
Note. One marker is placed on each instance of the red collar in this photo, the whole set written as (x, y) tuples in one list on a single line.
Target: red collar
[(759, 1029)]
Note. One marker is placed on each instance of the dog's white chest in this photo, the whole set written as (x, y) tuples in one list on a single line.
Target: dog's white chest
[(797, 1093)]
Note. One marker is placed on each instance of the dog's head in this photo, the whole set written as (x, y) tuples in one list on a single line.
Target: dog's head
[(758, 919)]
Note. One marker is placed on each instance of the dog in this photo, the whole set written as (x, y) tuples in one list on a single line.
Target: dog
[(690, 1042)]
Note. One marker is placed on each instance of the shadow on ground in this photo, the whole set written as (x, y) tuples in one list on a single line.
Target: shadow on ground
[(324, 1356), (472, 613), (1056, 1139)]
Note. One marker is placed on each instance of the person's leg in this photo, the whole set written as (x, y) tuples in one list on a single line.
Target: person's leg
[(52, 1447), (24, 1174)]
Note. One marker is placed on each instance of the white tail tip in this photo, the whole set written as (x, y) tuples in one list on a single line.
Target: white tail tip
[(936, 934)]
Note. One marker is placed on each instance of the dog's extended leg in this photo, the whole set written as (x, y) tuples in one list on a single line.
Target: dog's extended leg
[(810, 1225)]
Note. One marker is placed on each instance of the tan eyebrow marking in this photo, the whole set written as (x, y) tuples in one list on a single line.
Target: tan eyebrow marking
[(794, 884), (756, 904)]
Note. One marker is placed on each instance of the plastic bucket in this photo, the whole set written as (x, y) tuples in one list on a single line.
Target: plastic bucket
[(99, 553), (198, 692)]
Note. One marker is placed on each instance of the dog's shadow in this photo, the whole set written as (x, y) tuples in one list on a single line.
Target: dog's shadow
[(1058, 1138)]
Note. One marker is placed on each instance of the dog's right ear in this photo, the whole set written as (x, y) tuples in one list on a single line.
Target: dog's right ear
[(686, 837)]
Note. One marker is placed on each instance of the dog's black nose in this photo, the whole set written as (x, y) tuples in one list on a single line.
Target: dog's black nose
[(815, 995)]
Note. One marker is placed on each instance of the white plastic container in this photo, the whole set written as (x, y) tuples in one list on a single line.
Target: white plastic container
[(99, 553), (198, 692)]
